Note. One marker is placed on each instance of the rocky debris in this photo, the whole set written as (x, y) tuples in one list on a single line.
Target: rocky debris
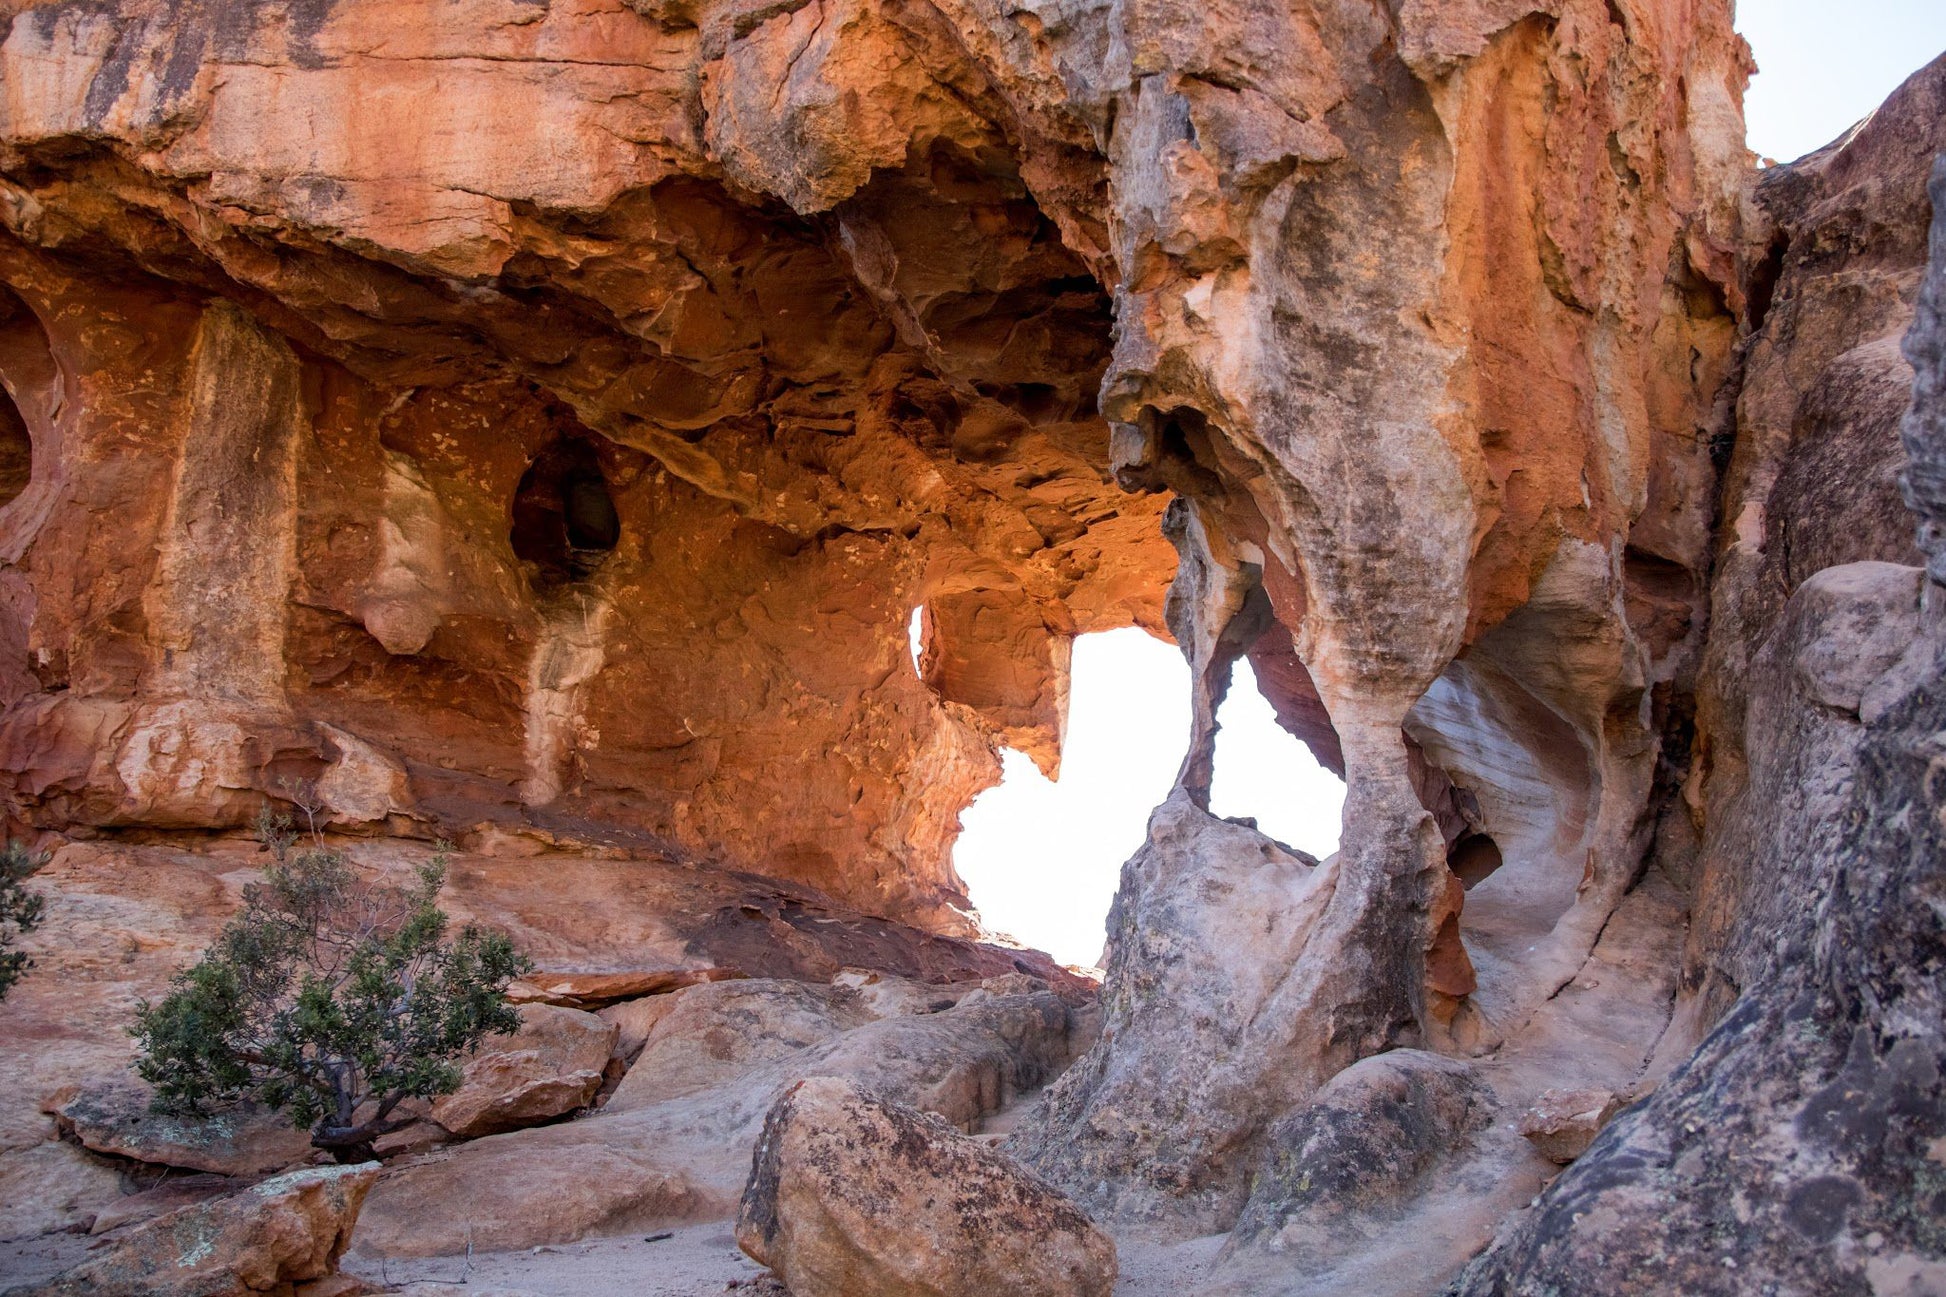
[(677, 1148), (853, 1196), (550, 1067), (127, 917), (238, 1139), (54, 1186), (1562, 1123), (286, 1231)]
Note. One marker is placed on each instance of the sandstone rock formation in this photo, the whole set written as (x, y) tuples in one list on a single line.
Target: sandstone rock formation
[(851, 1196), (673, 1142), (1562, 1123), (668, 446), (285, 1231), (1798, 1149), (551, 1066)]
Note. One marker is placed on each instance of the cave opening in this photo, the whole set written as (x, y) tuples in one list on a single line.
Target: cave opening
[(564, 520), (16, 450), (1041, 858), (24, 343)]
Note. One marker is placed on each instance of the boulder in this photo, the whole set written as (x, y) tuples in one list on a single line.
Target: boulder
[(230, 1139), (633, 1020), (854, 1196), (288, 1230), (549, 1067), (1373, 1135), (1562, 1123)]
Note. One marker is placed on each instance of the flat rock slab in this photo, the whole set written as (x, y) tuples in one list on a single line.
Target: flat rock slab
[(596, 990), (233, 1139)]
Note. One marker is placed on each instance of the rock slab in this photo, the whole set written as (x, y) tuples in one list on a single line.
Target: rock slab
[(853, 1196), (114, 1117), (548, 1068)]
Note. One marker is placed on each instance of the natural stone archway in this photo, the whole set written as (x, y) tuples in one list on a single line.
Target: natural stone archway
[(548, 444)]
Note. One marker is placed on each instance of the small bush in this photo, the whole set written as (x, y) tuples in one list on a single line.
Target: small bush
[(20, 911), (330, 999)]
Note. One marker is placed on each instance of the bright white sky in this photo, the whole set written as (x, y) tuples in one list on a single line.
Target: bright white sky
[(1041, 859), (1824, 65)]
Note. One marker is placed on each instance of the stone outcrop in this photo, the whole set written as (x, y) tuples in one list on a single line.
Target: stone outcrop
[(667, 447), (284, 1231), (673, 1142), (852, 1196), (1797, 1150)]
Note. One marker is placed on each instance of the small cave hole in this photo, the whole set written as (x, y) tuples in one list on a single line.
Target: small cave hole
[(564, 520), (26, 364), (915, 635), (1473, 856), (16, 451)]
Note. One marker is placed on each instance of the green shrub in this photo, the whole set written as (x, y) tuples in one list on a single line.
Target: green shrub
[(329, 998), (20, 911)]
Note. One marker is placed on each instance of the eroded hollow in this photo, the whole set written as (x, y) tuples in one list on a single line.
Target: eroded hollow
[(565, 523), (23, 347), (16, 451)]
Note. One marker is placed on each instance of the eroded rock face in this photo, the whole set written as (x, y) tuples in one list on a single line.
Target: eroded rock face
[(1797, 1150), (560, 568), (852, 1196), (1205, 1038), (668, 446)]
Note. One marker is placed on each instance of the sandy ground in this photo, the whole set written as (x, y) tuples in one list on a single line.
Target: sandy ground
[(696, 1261)]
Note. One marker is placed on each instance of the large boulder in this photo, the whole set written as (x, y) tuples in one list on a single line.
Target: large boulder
[(287, 1230), (854, 1196), (548, 1068), (229, 1139)]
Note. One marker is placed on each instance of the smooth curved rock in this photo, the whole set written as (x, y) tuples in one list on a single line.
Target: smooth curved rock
[(853, 1196)]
